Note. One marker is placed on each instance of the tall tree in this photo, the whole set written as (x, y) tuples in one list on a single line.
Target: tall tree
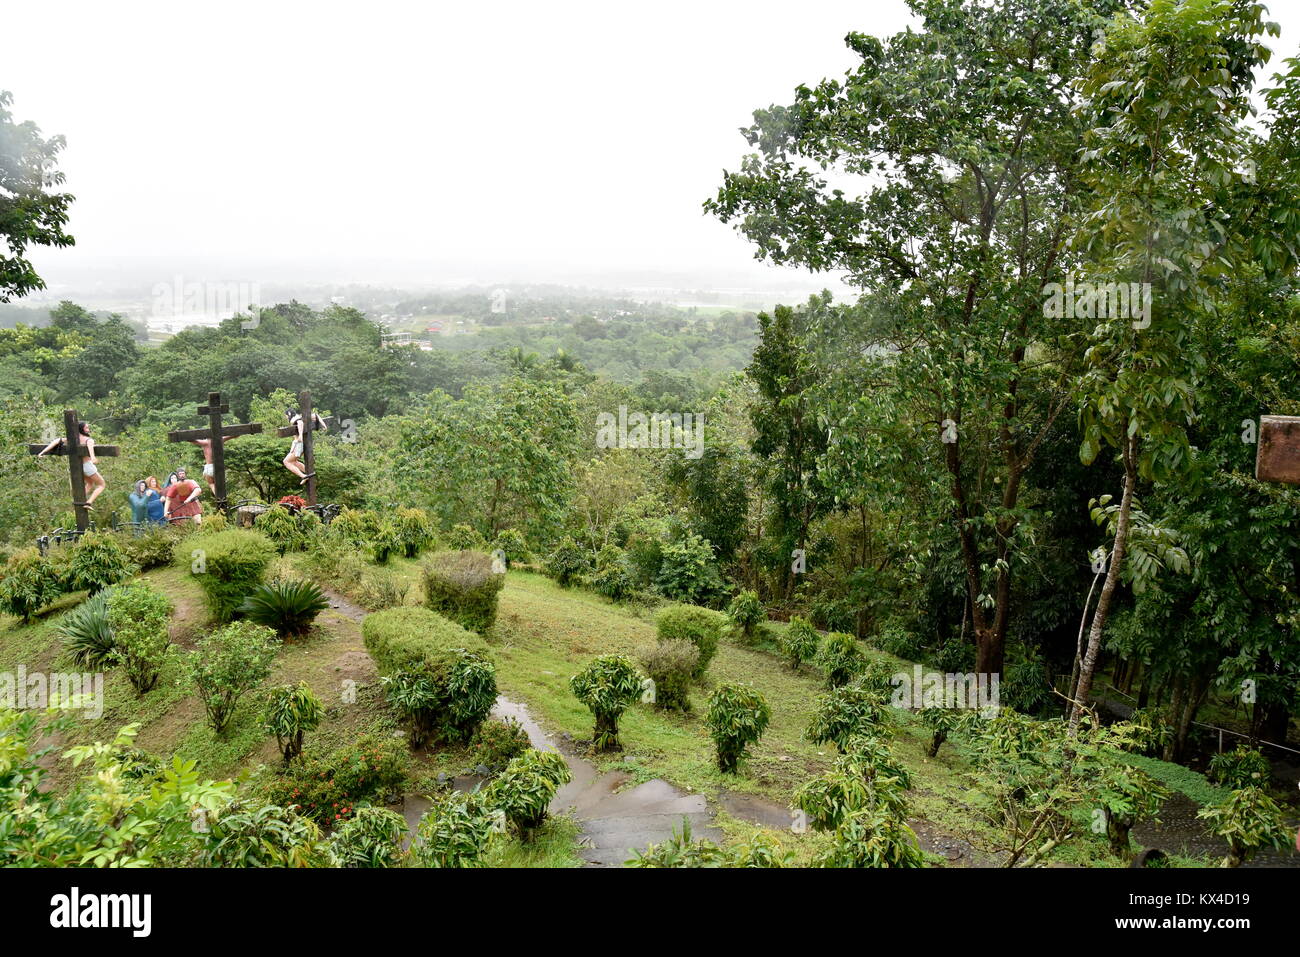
[(32, 212)]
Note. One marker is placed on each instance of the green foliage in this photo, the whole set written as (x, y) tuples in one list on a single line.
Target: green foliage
[(671, 666), (1126, 795), (387, 541), (896, 639), (940, 722), (607, 686), (745, 613), (228, 566), (496, 743), (152, 548), (87, 635), (370, 769), (262, 836), (416, 531), (683, 852), (289, 532), (462, 586), (98, 561), (799, 643), (523, 791), (1247, 819), (512, 542), (31, 581), (437, 674), (137, 616), (568, 562), (737, 717), (702, 627), (614, 576), (845, 713), (840, 658), (371, 837), (378, 591), (454, 832), (354, 528), (1242, 767), (229, 663), (1151, 731), (464, 538), (1024, 683), (688, 572), (291, 711), (288, 606)]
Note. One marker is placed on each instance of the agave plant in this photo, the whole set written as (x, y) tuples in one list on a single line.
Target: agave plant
[(288, 606), (87, 635)]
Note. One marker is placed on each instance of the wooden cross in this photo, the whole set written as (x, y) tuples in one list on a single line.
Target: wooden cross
[(71, 447), (308, 456), (216, 433), (1277, 451)]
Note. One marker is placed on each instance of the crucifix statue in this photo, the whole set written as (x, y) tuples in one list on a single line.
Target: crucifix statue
[(212, 441), (301, 460), (80, 466)]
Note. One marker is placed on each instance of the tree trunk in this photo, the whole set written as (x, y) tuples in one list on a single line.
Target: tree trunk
[(1144, 693), (1089, 664), (1176, 710)]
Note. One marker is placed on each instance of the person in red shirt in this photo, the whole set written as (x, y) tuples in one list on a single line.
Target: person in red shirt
[(182, 500)]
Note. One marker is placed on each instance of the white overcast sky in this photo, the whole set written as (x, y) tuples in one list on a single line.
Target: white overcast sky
[(485, 140)]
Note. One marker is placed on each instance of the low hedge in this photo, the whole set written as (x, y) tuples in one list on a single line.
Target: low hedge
[(463, 586), (440, 675)]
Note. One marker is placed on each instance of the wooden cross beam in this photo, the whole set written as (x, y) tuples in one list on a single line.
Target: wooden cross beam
[(1277, 450), (308, 453), (70, 445), (216, 434)]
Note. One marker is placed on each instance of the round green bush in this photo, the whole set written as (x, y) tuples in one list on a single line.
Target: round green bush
[(744, 614), (465, 538), (416, 531), (840, 658), (512, 543), (608, 685), (288, 531), (568, 563), (702, 627), (29, 582), (463, 586), (228, 566), (671, 666), (97, 560)]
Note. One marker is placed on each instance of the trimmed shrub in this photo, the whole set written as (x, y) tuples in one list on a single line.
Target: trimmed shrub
[(291, 711), (138, 617), (371, 837), (523, 791), (228, 565), (229, 663), (744, 614), (512, 543), (86, 633), (463, 538), (840, 658), (328, 790), (438, 675), (1247, 819), (845, 713), (287, 606), (607, 686), (31, 581), (496, 743), (416, 531), (288, 530), (702, 627), (354, 528), (799, 643), (454, 832), (262, 836), (463, 587), (671, 666), (152, 548), (387, 541), (940, 722), (1242, 767), (738, 715), (568, 563)]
